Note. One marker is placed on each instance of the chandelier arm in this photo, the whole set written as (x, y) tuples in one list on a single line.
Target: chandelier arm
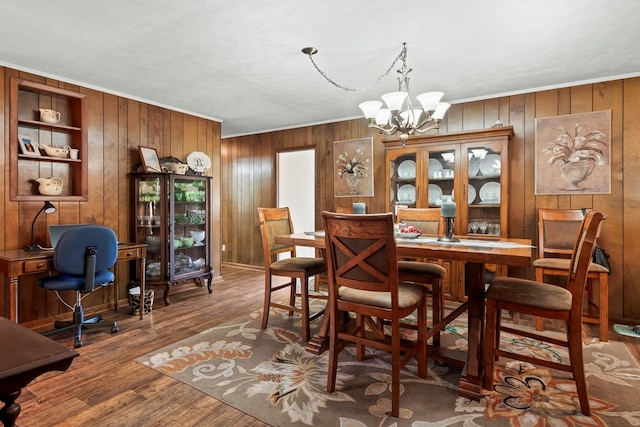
[(436, 125), (388, 131), (309, 52)]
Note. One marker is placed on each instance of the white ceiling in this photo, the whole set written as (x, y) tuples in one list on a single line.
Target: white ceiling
[(240, 62)]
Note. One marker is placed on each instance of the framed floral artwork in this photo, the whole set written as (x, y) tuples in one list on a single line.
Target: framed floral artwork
[(353, 166), (573, 154)]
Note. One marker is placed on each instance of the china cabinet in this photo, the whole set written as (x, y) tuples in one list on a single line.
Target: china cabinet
[(172, 215), (47, 117), (469, 168)]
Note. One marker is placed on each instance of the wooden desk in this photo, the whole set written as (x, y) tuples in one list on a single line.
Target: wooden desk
[(18, 262), (475, 254), (25, 355)]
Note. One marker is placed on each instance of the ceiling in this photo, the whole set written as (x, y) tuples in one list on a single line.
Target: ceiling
[(240, 62)]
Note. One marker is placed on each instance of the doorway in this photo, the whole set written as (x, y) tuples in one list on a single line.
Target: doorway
[(295, 171)]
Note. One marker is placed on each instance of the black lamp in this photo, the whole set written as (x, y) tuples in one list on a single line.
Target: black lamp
[(48, 208)]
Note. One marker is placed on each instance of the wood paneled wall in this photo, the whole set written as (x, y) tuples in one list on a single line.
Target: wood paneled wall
[(116, 127), (249, 181)]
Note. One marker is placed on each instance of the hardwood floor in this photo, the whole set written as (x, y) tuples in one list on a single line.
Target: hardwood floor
[(105, 387)]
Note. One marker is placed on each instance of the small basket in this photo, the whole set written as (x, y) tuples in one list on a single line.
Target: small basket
[(134, 300)]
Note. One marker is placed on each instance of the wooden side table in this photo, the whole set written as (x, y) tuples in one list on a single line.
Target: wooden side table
[(25, 355)]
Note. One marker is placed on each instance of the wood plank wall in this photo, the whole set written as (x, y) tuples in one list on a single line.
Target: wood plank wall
[(117, 126), (248, 173)]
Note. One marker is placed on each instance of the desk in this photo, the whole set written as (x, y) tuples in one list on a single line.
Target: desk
[(18, 262), (25, 355), (475, 254)]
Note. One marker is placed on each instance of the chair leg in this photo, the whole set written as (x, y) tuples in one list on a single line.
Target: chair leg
[(539, 278), (292, 294), (422, 342), (267, 300), (334, 348), (490, 336), (437, 296), (304, 302), (575, 356), (395, 368), (603, 285)]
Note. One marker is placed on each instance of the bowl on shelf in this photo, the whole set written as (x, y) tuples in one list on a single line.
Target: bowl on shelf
[(198, 237), (187, 242)]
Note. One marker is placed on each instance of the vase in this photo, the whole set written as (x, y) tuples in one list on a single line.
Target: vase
[(576, 172), (353, 181)]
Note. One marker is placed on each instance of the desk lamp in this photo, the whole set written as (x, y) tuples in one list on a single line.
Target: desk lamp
[(48, 208)]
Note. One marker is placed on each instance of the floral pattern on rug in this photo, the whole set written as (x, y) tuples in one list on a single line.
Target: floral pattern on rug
[(247, 364)]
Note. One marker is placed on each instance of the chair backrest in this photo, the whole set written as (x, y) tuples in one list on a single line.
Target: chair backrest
[(557, 231), (274, 222), (428, 220), (584, 245), (71, 254), (361, 253)]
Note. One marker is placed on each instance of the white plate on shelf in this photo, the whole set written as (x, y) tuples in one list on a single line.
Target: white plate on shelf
[(490, 165), (392, 169), (474, 166), (199, 161), (471, 194), (393, 194), (407, 169), (435, 193), (407, 194), (434, 166), (490, 193)]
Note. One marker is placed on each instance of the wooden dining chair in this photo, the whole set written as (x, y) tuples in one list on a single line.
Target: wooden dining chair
[(549, 301), (557, 229), (322, 278), (363, 279), (273, 222), (430, 222)]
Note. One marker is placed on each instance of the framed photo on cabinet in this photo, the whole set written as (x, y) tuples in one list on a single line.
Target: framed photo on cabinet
[(150, 160), (27, 146), (353, 168), (573, 154)]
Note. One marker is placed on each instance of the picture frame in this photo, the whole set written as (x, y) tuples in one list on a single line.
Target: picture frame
[(353, 168), (150, 159), (573, 154), (27, 146)]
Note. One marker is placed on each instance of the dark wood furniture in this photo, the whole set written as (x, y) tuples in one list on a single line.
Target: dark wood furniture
[(15, 263), (474, 254), (275, 221), (557, 231), (25, 355), (470, 167), (549, 301), (26, 98), (168, 211), (364, 279)]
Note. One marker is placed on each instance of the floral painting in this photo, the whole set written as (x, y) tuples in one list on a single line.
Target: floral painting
[(353, 166), (573, 154)]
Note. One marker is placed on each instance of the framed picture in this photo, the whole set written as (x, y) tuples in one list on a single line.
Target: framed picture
[(27, 146), (573, 154), (353, 168), (150, 159)]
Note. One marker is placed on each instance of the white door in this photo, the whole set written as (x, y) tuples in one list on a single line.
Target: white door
[(296, 189)]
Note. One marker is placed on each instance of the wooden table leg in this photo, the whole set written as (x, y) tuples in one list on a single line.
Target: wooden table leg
[(13, 298), (470, 385), (143, 282), (10, 411)]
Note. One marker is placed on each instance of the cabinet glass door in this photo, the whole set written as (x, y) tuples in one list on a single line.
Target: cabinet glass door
[(441, 175), (484, 191), (403, 189), (149, 226), (188, 227)]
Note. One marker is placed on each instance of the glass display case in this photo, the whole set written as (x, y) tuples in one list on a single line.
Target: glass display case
[(172, 215)]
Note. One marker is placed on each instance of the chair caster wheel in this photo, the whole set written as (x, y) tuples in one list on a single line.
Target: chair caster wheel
[(77, 344), (114, 329)]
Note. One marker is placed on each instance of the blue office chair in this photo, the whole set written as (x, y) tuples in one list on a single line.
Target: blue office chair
[(83, 257)]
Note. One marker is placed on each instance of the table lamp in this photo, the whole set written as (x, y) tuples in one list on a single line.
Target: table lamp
[(48, 208), (448, 212)]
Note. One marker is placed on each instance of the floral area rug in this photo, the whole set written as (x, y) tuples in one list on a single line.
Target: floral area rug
[(269, 375)]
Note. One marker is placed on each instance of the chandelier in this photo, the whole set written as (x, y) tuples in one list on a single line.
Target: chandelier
[(399, 116)]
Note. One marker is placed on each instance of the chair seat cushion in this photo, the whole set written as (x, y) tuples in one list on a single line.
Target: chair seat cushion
[(529, 293), (563, 264), (416, 268), (311, 266), (72, 282), (408, 295)]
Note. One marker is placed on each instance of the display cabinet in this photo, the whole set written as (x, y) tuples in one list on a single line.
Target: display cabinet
[(469, 168), (172, 214), (51, 116)]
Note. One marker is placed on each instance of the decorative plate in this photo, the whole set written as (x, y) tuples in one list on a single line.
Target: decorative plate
[(407, 169), (199, 161), (435, 193), (400, 235), (407, 194), (490, 165), (434, 166), (474, 166), (490, 192), (472, 194)]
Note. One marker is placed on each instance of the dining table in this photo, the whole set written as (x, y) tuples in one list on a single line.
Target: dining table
[(475, 253)]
